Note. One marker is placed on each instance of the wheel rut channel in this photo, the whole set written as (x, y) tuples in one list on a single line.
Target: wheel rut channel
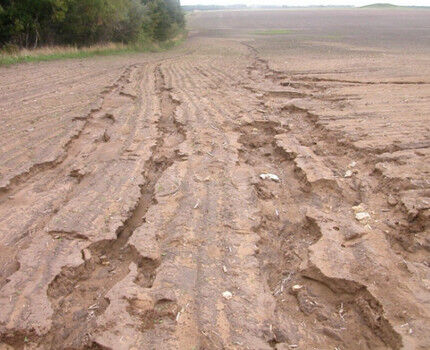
[(309, 304), (78, 294)]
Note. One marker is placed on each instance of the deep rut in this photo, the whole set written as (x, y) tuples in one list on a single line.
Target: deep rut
[(287, 229), (78, 294), (292, 216)]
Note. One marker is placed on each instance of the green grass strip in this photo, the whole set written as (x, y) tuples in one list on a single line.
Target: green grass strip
[(10, 59), (274, 32)]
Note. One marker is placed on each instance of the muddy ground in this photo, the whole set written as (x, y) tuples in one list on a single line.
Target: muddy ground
[(133, 211)]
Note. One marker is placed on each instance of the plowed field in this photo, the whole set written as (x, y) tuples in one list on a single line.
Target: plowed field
[(255, 188)]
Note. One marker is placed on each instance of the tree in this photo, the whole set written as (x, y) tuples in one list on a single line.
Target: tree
[(26, 22), (129, 28), (162, 18), (29, 23)]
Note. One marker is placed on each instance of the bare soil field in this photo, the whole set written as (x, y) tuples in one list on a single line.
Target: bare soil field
[(264, 186)]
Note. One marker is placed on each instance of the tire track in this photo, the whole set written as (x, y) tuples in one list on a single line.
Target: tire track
[(78, 293), (14, 183), (215, 200)]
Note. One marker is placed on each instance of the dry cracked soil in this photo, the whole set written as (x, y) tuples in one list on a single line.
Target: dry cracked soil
[(133, 210)]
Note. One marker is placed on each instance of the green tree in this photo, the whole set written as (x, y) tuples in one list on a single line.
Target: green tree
[(162, 18), (29, 23), (130, 26)]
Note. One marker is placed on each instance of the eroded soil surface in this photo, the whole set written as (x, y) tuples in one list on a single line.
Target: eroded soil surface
[(133, 211)]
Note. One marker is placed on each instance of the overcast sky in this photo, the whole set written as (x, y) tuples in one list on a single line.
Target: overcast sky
[(304, 2)]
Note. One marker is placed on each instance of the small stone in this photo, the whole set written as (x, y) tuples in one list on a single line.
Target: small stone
[(362, 215), (272, 177), (227, 295), (352, 164), (348, 173), (296, 288)]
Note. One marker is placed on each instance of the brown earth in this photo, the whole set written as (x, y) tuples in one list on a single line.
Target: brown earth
[(133, 214)]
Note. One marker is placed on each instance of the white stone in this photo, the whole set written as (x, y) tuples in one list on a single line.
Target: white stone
[(227, 295), (362, 215), (272, 177), (296, 287)]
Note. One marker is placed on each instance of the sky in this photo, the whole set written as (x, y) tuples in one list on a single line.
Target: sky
[(304, 2)]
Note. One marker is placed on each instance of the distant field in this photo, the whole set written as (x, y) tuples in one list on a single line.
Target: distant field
[(382, 28)]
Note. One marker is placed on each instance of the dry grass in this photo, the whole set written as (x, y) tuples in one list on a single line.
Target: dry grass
[(57, 50), (49, 53)]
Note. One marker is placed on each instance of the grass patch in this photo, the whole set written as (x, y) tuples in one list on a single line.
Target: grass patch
[(274, 32), (68, 52), (58, 53), (380, 5)]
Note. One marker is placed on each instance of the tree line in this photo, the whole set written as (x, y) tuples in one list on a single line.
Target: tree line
[(32, 23)]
